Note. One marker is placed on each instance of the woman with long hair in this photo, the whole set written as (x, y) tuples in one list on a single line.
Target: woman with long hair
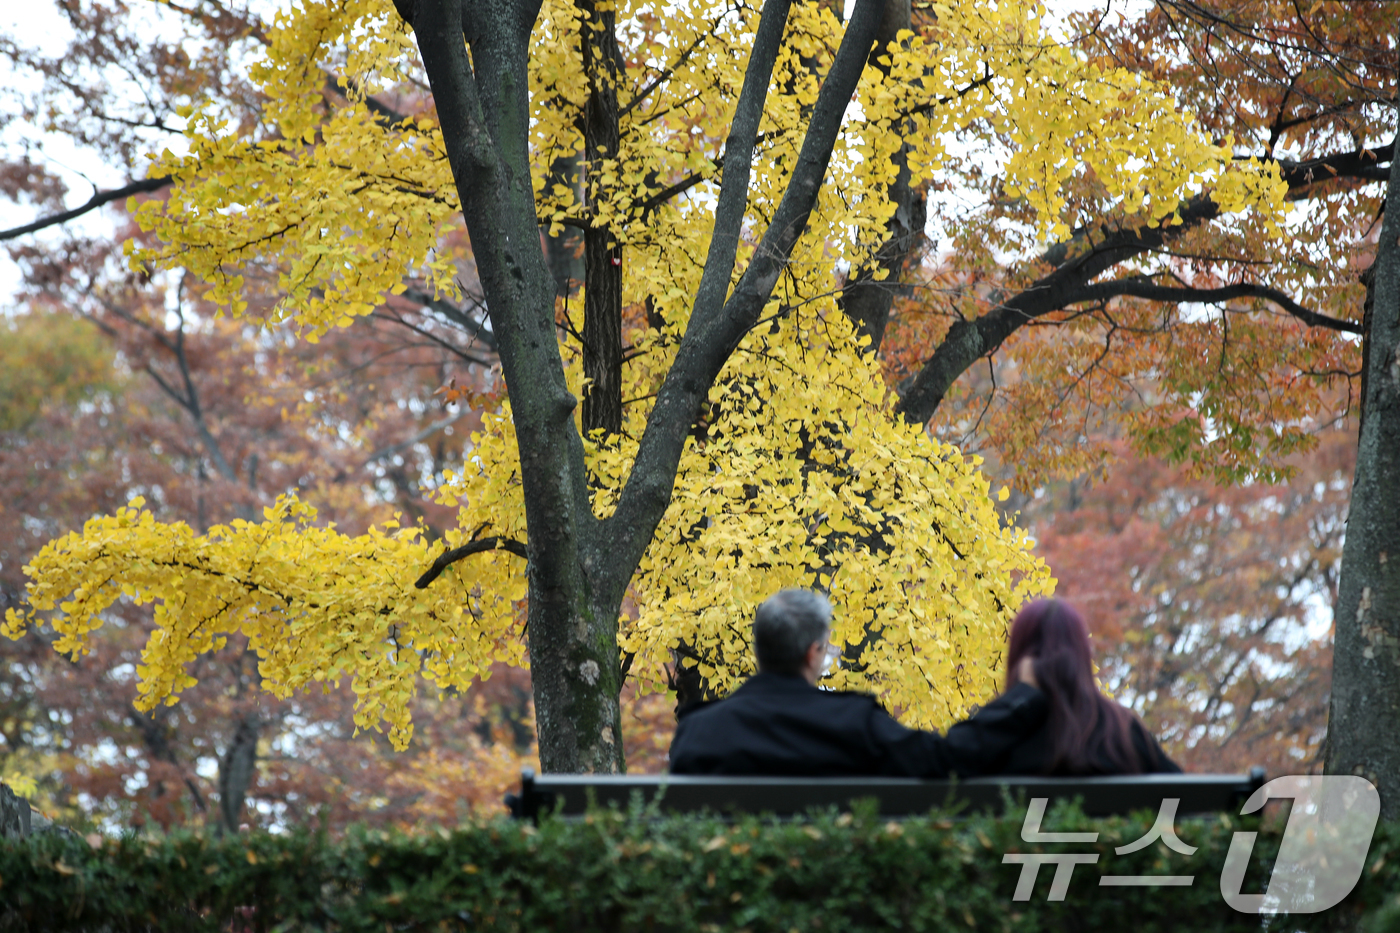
[(1086, 732)]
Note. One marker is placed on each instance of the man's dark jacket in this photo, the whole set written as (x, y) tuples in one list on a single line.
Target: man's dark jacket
[(778, 725)]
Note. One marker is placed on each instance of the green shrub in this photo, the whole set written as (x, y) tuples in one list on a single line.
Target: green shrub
[(615, 871)]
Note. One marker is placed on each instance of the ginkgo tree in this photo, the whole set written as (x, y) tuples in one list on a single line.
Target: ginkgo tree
[(733, 163)]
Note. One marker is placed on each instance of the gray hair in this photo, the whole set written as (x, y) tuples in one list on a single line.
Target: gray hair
[(786, 625)]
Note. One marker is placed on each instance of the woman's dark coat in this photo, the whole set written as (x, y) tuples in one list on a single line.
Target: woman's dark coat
[(1034, 755)]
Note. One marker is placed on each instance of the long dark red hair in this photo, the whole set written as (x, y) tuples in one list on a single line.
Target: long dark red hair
[(1085, 726)]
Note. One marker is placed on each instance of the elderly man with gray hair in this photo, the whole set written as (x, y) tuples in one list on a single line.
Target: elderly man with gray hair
[(780, 723)]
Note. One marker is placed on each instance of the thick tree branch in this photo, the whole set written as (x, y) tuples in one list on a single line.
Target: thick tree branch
[(99, 199), (604, 70), (870, 290), (1362, 164), (483, 104), (1141, 288), (738, 155), (449, 557), (1076, 263), (717, 326)]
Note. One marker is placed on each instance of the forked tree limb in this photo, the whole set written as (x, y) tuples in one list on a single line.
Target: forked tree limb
[(1091, 252), (718, 324)]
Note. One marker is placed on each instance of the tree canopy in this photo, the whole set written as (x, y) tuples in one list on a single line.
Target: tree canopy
[(734, 170)]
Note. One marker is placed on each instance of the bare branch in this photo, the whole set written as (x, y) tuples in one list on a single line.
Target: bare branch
[(450, 557), (430, 337), (1142, 288), (100, 199)]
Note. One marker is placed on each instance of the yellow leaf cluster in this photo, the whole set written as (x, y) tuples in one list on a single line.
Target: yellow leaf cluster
[(22, 784), (805, 477), (341, 202), (315, 604), (347, 203)]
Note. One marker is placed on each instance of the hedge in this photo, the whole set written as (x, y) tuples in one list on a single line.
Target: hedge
[(615, 871)]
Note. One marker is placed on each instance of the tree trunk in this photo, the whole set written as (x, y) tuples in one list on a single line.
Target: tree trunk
[(483, 103), (579, 567), (602, 254), (1364, 725), (236, 768)]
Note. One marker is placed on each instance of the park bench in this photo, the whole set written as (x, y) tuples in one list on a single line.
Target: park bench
[(572, 794)]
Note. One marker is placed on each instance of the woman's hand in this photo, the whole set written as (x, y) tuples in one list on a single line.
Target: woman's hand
[(1025, 672)]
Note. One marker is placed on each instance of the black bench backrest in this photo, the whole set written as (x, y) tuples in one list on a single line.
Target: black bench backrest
[(570, 794)]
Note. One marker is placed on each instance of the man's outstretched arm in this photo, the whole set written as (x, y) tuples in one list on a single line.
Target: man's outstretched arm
[(973, 747)]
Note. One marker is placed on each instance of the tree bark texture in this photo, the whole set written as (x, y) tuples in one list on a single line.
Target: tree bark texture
[(14, 814), (579, 567), (564, 252), (1364, 721), (482, 101), (602, 254)]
